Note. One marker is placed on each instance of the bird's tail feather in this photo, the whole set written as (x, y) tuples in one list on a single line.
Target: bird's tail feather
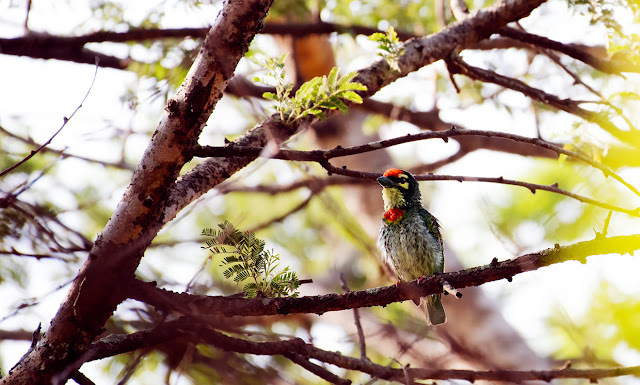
[(434, 311)]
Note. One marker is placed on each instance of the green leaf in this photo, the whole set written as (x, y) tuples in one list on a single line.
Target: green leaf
[(352, 97), (333, 77), (270, 96)]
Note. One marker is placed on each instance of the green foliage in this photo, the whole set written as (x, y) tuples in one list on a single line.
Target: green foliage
[(391, 46), (415, 16), (313, 97), (563, 219), (623, 44), (246, 258), (603, 11), (610, 322)]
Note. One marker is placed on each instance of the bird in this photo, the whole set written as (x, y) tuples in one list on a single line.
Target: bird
[(410, 242)]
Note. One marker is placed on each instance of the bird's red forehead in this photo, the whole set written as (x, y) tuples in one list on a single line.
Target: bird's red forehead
[(393, 172)]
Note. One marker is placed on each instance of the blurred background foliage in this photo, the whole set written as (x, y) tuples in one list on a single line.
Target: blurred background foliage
[(65, 200)]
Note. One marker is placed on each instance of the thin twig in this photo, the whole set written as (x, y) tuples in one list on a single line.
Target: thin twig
[(121, 164), (64, 123), (317, 369), (277, 219), (356, 317), (606, 224), (407, 377), (37, 256), (533, 187), (26, 18), (81, 379)]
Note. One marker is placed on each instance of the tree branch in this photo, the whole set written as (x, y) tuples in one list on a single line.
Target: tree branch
[(609, 66), (63, 154), (459, 178), (381, 296), (457, 66), (198, 330), (322, 156)]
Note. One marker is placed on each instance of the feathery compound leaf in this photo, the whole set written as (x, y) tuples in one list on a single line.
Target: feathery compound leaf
[(245, 257)]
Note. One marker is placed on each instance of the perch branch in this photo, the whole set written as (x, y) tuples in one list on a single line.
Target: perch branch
[(380, 296)]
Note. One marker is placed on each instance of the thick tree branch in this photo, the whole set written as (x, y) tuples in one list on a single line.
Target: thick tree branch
[(200, 331), (460, 35), (381, 296)]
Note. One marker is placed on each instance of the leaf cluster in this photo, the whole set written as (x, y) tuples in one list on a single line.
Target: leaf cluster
[(246, 258), (314, 97), (391, 46)]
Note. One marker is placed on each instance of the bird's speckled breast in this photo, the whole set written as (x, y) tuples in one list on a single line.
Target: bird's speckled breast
[(410, 248)]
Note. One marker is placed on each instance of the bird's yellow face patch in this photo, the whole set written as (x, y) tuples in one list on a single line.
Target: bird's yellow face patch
[(392, 197)]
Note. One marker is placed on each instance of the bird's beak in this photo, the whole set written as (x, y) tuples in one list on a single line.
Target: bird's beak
[(386, 182)]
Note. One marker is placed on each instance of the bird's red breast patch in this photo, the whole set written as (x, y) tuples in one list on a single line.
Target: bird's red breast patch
[(393, 214), (393, 172)]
